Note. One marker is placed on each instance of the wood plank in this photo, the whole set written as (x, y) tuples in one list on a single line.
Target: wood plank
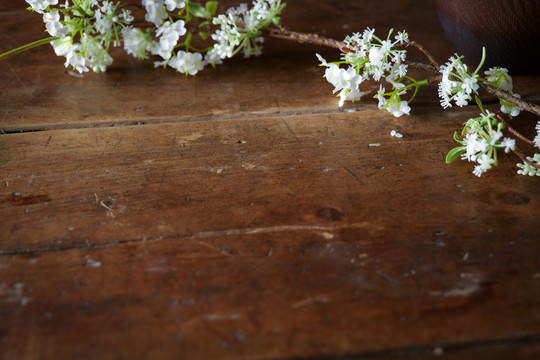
[(114, 184), (277, 294), (265, 223)]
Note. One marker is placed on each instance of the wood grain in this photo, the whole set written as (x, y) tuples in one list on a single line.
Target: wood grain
[(241, 214)]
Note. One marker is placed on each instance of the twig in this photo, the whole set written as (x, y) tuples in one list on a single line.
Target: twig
[(533, 108), (304, 38), (513, 131), (430, 57)]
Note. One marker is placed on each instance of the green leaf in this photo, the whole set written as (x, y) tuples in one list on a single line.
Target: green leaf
[(203, 35), (211, 7), (198, 10), (455, 153), (457, 138), (479, 103)]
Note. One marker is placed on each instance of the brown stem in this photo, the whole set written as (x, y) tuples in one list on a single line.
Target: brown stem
[(303, 38), (533, 108), (430, 57), (514, 131)]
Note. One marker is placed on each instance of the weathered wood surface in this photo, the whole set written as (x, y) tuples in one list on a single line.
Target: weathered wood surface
[(264, 223)]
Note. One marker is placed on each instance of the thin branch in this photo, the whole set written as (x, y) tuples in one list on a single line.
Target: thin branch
[(514, 131), (430, 57), (533, 108), (304, 38)]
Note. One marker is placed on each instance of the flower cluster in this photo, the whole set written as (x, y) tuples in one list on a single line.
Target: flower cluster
[(482, 138), (499, 78), (530, 167), (457, 83), (369, 57), (83, 31), (240, 28)]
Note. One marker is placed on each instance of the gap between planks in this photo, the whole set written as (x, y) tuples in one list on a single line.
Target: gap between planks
[(428, 351), (106, 124)]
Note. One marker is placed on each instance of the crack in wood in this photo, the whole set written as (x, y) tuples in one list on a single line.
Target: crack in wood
[(202, 234)]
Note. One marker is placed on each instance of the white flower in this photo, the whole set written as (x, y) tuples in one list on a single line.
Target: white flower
[(185, 62), (368, 34), (470, 84), (402, 37), (53, 25), (168, 38), (484, 165), (136, 43), (352, 95), (508, 144), (212, 58), (510, 109), (456, 83), (75, 59), (40, 5), (321, 59), (239, 28), (62, 46), (175, 4), (103, 22), (380, 97), (398, 109), (155, 11), (375, 56), (461, 99), (95, 55), (499, 78)]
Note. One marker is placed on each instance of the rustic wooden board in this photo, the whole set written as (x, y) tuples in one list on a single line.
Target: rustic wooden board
[(264, 238), (121, 183), (241, 214), (275, 294)]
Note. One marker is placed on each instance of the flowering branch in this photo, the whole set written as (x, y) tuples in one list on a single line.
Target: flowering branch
[(83, 31)]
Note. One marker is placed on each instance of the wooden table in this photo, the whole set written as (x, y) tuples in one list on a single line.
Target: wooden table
[(242, 214)]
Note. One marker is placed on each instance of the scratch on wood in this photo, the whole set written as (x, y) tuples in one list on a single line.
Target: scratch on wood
[(354, 175), (211, 247), (386, 277), (323, 298), (217, 317), (291, 131)]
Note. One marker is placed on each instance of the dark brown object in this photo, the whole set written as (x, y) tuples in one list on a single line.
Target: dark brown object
[(508, 29), (241, 214)]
